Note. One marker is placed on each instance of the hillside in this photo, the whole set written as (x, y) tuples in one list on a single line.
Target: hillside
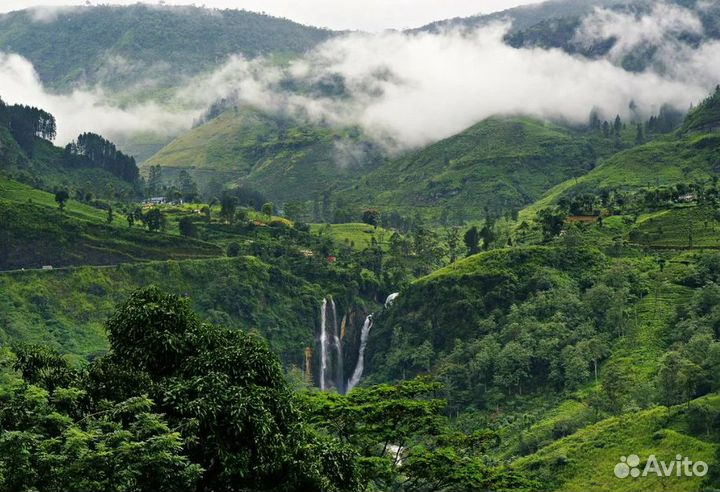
[(666, 162), (36, 233), (284, 159), (500, 163), (557, 24), (566, 351), (120, 45)]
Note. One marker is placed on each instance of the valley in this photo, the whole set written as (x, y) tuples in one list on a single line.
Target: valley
[(285, 296)]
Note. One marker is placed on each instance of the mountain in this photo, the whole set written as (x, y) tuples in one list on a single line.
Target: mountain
[(91, 166), (36, 233), (117, 46), (558, 24), (500, 163), (284, 159), (688, 155), (525, 16)]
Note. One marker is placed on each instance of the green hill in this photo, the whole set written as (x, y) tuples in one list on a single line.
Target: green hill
[(36, 233), (500, 163), (121, 45), (585, 460), (284, 159), (557, 25), (668, 161), (706, 117), (67, 309)]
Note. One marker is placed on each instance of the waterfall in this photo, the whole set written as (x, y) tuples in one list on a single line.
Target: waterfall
[(339, 370), (391, 298), (360, 366), (323, 344)]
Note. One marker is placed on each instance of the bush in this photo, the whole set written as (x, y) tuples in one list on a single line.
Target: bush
[(233, 249)]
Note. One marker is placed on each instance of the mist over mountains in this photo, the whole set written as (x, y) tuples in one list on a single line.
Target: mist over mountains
[(404, 89)]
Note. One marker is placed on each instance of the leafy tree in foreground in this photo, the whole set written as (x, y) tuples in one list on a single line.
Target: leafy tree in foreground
[(398, 432), (227, 393), (177, 405)]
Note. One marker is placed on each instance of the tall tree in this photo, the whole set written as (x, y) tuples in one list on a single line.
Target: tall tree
[(472, 241)]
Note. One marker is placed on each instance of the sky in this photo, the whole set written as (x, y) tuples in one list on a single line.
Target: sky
[(365, 15)]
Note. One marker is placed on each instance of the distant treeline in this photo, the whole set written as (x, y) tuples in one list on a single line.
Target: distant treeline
[(26, 123), (92, 150)]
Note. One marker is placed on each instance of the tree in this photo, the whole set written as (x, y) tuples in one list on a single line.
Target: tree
[(228, 204), (552, 222), (233, 249), (187, 227), (397, 431), (243, 428), (452, 238), (92, 150), (513, 366), (154, 182), (472, 241), (109, 217), (371, 217), (131, 219), (267, 209), (639, 137), (61, 196), (188, 187), (155, 219), (488, 235), (617, 125)]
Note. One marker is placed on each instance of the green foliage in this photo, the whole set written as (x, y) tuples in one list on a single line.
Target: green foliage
[(500, 163), (35, 235), (171, 41), (398, 432), (61, 197), (222, 390), (284, 159), (705, 117)]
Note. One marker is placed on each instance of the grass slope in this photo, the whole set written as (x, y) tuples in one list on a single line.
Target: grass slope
[(36, 233), (585, 460), (66, 309), (668, 161), (283, 159), (500, 163)]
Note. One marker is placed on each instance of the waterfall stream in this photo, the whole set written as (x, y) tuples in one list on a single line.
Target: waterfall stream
[(323, 345), (339, 370), (360, 366)]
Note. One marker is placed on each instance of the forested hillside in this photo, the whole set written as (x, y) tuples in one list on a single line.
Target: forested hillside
[(120, 45), (286, 159), (270, 304), (501, 164)]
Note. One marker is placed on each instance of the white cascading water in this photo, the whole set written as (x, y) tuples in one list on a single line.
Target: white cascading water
[(339, 370), (323, 345), (360, 366), (391, 298)]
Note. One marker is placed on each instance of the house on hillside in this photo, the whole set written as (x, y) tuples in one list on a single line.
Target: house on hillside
[(156, 200)]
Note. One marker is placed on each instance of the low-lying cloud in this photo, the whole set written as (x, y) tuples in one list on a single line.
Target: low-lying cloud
[(86, 109), (408, 90)]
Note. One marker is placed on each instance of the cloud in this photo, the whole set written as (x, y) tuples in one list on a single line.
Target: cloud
[(406, 90), (86, 110), (661, 26), (409, 90)]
